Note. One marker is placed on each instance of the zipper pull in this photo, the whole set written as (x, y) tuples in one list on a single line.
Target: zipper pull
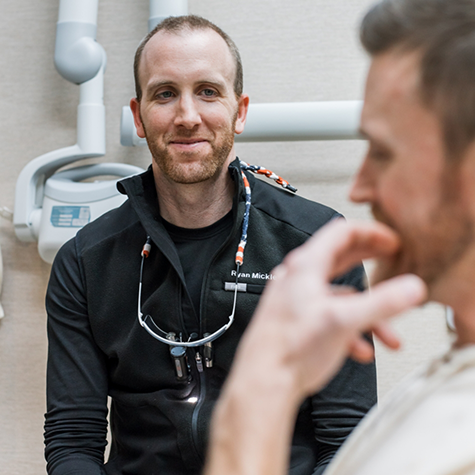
[(199, 362)]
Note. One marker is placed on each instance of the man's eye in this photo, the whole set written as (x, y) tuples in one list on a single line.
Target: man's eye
[(379, 154), (165, 95), (208, 92)]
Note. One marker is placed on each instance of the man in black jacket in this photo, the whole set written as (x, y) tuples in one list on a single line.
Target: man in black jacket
[(148, 303)]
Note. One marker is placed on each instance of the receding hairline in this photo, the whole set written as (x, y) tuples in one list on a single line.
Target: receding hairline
[(184, 32)]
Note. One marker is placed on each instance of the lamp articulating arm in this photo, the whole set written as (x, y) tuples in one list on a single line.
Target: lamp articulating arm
[(81, 60)]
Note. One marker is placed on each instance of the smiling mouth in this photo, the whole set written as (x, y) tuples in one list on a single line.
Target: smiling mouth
[(187, 146), (187, 141)]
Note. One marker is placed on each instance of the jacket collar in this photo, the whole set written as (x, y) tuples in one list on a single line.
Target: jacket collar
[(142, 192), (142, 195)]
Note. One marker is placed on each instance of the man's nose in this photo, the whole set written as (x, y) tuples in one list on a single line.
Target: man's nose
[(187, 115), (362, 189)]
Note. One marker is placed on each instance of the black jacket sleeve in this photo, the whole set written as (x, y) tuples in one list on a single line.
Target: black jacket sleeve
[(76, 418), (339, 407)]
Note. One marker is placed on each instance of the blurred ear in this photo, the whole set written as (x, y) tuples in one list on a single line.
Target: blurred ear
[(243, 106), (135, 108)]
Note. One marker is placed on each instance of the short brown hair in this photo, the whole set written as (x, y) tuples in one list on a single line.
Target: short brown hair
[(443, 32), (192, 23)]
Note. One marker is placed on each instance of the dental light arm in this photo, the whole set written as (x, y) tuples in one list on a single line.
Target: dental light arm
[(80, 60), (78, 57), (291, 121), (161, 9)]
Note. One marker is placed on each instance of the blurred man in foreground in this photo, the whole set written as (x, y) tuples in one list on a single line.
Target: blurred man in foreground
[(419, 178)]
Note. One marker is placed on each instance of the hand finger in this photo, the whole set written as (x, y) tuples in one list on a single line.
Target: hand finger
[(367, 309), (340, 245), (365, 241), (361, 350), (387, 336)]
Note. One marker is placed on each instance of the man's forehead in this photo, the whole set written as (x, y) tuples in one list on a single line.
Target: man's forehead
[(392, 86), (186, 40), (394, 74)]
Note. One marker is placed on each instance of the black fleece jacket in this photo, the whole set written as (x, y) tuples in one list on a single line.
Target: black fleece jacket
[(97, 347)]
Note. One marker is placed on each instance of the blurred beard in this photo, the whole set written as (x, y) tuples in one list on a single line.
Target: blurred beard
[(427, 252), (196, 170)]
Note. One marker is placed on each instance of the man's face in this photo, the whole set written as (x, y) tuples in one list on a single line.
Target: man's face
[(188, 112), (406, 177)]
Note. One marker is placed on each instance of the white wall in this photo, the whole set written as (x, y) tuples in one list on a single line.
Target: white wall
[(302, 50)]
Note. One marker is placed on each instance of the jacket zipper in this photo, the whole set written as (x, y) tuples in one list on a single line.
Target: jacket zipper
[(198, 360)]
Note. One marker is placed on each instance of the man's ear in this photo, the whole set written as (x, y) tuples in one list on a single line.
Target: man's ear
[(135, 108), (243, 106)]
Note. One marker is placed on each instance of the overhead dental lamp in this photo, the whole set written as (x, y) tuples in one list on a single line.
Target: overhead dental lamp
[(51, 206), (69, 203)]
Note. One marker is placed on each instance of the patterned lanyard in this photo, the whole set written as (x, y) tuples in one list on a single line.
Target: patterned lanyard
[(258, 171)]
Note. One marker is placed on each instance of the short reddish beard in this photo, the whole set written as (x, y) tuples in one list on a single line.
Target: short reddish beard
[(197, 172)]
